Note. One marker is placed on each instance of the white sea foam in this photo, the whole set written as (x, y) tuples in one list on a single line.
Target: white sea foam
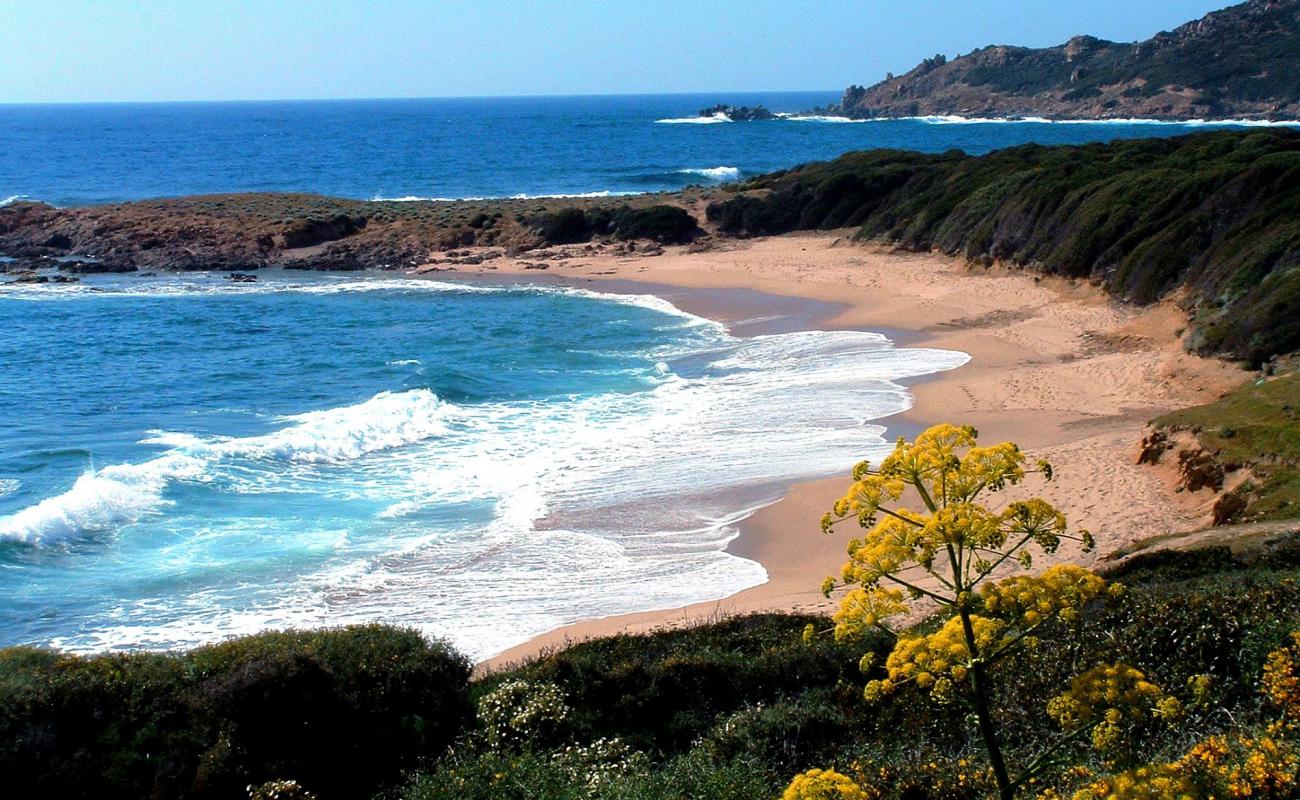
[(710, 120), (99, 501), (714, 173), (9, 486), (383, 422), (11, 199), (120, 495)]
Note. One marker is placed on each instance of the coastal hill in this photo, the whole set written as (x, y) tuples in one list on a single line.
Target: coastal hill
[(1240, 62)]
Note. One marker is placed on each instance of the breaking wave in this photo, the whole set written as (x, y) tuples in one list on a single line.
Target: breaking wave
[(713, 173)]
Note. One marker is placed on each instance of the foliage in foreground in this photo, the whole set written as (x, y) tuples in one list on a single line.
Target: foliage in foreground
[(1218, 213), (735, 709), (951, 553), (338, 712)]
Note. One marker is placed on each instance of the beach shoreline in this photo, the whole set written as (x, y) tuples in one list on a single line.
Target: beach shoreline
[(1057, 366)]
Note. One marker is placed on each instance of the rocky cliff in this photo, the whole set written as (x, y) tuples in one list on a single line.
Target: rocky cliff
[(1240, 62)]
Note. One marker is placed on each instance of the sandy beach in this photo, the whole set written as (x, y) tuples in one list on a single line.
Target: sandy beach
[(1068, 373)]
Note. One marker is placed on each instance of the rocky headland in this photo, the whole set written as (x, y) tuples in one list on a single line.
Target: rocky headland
[(1237, 63)]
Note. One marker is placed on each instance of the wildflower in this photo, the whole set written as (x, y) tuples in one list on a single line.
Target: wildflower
[(825, 784), (1281, 682)]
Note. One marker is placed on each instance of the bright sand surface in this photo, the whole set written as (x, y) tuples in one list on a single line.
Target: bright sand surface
[(1061, 369)]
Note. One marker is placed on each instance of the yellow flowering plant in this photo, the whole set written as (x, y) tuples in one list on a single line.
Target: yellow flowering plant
[(955, 552)]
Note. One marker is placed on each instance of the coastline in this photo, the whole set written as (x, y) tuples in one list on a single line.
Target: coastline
[(1068, 373)]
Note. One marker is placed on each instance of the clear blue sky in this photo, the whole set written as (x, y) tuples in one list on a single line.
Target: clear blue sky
[(98, 50)]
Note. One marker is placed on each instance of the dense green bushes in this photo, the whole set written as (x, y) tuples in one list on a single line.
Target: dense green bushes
[(341, 712), (1218, 213), (734, 709), (662, 223)]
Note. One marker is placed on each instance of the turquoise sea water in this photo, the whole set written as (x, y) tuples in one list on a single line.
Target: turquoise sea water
[(182, 459)]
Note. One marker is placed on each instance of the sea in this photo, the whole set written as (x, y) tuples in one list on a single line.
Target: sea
[(184, 459)]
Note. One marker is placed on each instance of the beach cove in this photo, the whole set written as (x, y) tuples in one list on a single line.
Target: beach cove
[(1069, 374)]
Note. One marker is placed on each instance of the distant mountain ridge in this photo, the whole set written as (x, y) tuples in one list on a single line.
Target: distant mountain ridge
[(1242, 62)]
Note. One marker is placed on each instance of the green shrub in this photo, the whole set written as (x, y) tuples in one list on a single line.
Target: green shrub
[(520, 714), (660, 223), (341, 712), (662, 691)]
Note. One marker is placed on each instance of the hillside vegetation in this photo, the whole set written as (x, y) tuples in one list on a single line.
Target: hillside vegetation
[(1238, 62), (1214, 214)]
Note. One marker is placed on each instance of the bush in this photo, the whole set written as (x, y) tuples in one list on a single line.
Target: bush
[(661, 223), (663, 691), (340, 712)]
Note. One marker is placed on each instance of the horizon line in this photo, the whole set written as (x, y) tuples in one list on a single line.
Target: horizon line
[(538, 95)]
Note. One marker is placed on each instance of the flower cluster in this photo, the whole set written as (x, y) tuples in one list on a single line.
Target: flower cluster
[(1108, 697), (1281, 683), (864, 609), (518, 711), (1061, 591), (602, 763), (825, 784), (939, 661), (894, 543), (1255, 767)]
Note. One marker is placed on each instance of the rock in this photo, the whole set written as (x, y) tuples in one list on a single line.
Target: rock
[(738, 113), (1199, 469), (242, 277), (1153, 446), (1228, 507)]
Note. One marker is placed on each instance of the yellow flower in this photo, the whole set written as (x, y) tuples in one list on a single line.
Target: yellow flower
[(827, 784)]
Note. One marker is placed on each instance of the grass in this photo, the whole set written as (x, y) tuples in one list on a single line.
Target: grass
[(1255, 427)]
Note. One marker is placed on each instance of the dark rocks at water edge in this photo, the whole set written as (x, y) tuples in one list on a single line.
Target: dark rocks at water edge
[(32, 278), (241, 277), (241, 233), (738, 113)]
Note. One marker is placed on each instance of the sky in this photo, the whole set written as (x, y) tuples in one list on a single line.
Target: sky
[(147, 50)]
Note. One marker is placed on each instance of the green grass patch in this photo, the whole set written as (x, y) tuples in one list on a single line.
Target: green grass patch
[(1255, 427)]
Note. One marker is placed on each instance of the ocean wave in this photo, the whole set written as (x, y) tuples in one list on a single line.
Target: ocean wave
[(13, 198), (99, 501), (713, 173), (120, 495), (384, 422), (710, 120), (9, 486)]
